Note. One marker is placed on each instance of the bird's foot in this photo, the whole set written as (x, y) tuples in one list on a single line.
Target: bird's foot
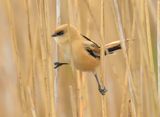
[(102, 90)]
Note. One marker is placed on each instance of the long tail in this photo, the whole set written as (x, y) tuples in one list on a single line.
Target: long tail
[(114, 46)]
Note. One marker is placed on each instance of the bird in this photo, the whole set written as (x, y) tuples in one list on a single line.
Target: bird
[(82, 51)]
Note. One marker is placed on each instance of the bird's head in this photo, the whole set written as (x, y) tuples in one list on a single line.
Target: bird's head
[(61, 33)]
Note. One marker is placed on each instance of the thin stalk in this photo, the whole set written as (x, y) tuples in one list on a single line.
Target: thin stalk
[(50, 68), (102, 60), (158, 45), (58, 21), (72, 100), (43, 58), (33, 110), (16, 53), (122, 38), (152, 71), (123, 108)]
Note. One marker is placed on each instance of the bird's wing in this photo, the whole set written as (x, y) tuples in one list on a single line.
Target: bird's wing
[(92, 47), (90, 40), (94, 52)]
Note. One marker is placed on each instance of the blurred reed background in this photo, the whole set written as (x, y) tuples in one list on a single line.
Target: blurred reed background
[(30, 87)]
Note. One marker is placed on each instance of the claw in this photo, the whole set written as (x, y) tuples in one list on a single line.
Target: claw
[(102, 90)]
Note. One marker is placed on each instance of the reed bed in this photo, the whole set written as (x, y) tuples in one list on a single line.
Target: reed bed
[(31, 87)]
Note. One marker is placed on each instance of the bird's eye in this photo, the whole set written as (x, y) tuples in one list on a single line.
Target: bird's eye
[(60, 33)]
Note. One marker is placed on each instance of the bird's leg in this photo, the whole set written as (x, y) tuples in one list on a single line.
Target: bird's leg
[(58, 64), (101, 89)]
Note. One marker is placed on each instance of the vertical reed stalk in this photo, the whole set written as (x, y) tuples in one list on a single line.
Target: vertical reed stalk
[(102, 60), (92, 16), (158, 50), (30, 79), (50, 82), (122, 38), (72, 100), (124, 109), (16, 54), (58, 21), (152, 71), (32, 106), (158, 45)]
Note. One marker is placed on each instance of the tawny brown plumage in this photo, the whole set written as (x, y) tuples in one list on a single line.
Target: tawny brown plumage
[(74, 47), (83, 52)]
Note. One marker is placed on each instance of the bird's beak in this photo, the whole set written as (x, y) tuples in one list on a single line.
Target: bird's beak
[(54, 34)]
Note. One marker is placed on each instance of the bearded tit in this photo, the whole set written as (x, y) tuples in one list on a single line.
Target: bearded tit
[(84, 52)]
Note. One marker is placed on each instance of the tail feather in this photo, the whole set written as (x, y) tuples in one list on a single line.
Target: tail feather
[(111, 50)]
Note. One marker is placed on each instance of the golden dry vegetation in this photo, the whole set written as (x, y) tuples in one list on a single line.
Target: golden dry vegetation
[(30, 87)]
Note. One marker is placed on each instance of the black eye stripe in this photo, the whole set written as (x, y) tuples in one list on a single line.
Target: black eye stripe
[(60, 33)]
